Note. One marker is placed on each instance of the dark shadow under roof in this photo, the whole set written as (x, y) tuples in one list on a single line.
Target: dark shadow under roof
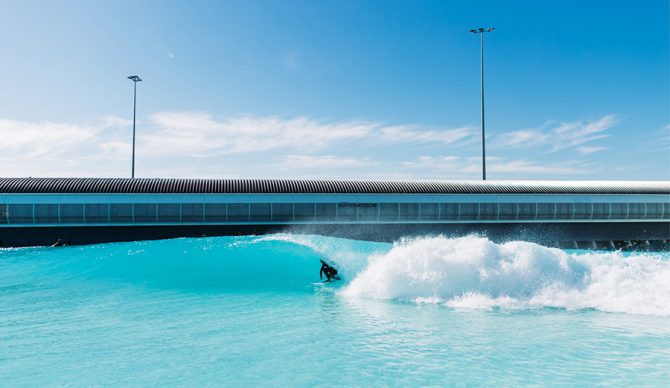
[(274, 186)]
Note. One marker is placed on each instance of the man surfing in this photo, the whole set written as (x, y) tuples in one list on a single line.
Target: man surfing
[(329, 271), (58, 243)]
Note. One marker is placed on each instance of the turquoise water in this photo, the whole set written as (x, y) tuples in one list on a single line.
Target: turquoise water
[(247, 311)]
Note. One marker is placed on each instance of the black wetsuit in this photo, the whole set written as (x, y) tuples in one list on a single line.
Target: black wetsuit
[(330, 272)]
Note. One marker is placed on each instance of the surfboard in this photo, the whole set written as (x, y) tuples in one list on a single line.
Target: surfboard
[(333, 279)]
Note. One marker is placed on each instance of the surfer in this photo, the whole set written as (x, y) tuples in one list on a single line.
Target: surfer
[(329, 271), (58, 243)]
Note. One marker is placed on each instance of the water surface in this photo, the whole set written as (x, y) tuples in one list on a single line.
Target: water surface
[(244, 311)]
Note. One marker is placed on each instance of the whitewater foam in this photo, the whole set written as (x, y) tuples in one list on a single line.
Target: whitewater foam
[(473, 272)]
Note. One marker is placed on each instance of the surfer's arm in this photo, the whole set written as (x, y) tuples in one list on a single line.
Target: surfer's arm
[(321, 273)]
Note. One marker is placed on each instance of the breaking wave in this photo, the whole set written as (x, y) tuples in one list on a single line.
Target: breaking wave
[(473, 272), (463, 273)]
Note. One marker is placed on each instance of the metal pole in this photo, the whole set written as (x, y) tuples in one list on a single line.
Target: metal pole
[(132, 174), (135, 80), (482, 86), (481, 32)]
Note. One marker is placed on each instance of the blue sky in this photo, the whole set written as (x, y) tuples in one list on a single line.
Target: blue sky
[(576, 90)]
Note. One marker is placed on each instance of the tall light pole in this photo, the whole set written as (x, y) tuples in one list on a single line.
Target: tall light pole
[(135, 80), (481, 32)]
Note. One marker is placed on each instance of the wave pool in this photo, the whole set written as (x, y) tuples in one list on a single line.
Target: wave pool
[(247, 311)]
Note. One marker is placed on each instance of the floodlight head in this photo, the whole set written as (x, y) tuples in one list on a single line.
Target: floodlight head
[(135, 78), (482, 30)]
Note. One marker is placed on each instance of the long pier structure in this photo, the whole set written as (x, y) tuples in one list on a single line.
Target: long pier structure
[(609, 215)]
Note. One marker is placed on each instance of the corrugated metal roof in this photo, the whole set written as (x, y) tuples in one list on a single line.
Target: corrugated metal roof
[(271, 186)]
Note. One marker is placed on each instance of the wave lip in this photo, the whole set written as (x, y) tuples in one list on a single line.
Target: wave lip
[(473, 272)]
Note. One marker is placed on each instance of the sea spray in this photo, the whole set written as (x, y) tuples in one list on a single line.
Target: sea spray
[(473, 272)]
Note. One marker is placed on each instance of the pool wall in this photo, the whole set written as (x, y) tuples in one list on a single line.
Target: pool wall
[(609, 215)]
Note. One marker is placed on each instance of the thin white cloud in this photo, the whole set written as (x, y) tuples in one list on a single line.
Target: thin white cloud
[(523, 138), (412, 134), (197, 133), (116, 121), (174, 143), (60, 149), (587, 150), (456, 166), (657, 142), (38, 139), (440, 162), (565, 135), (530, 167), (200, 133), (662, 139), (321, 162), (574, 134), (196, 144)]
